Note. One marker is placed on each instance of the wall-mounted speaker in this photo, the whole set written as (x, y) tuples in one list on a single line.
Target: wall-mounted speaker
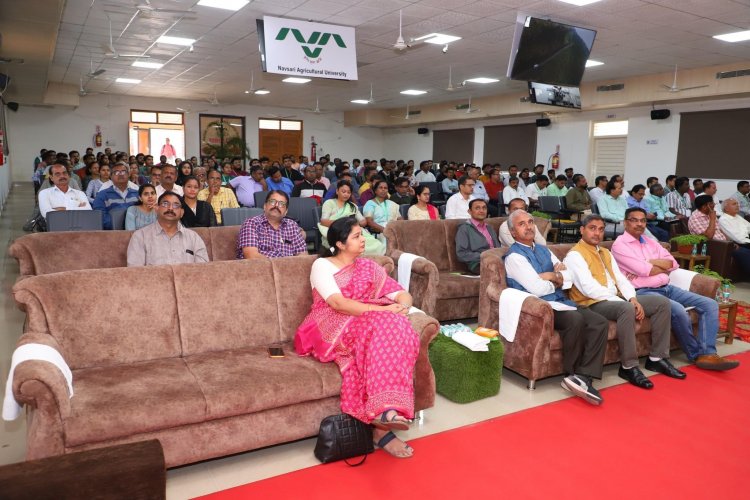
[(660, 114), (423, 131), (543, 122), (13, 106)]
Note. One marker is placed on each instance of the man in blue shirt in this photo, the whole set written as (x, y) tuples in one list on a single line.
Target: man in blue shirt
[(247, 185), (118, 195), (277, 182)]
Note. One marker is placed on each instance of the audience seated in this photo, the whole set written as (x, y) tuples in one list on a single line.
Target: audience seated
[(678, 200), (245, 186), (577, 198), (143, 212), (612, 206), (168, 179), (341, 206), (309, 187), (457, 206), (480, 191), (271, 234), (61, 196), (733, 225), (558, 187), (217, 195), (424, 174), (741, 195), (474, 236), (709, 188), (422, 209), (449, 183), (537, 188), (600, 185), (277, 182), (379, 211), (513, 190), (118, 195), (638, 199), (704, 221), (513, 172), (404, 194), (197, 213), (506, 238)]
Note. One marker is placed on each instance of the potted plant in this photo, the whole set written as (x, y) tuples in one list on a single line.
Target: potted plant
[(685, 242), (541, 215), (726, 287)]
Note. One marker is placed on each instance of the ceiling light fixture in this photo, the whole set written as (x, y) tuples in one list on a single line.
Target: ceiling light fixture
[(127, 80), (146, 64), (224, 4), (360, 101), (580, 3), (737, 36), (413, 92), (295, 79), (262, 92), (437, 38), (175, 40), (483, 79), (591, 63)]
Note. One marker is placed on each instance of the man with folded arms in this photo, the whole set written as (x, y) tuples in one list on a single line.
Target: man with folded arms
[(733, 225), (534, 269), (647, 265), (61, 196), (599, 285), (506, 239)]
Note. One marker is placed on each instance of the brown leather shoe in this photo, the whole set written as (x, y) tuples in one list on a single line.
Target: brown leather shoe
[(715, 362)]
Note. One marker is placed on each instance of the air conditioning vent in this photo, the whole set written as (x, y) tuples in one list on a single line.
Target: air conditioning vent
[(732, 74), (415, 112), (610, 88)]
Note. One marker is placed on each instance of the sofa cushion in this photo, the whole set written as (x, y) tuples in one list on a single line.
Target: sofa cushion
[(224, 242), (425, 238), (453, 286), (293, 292), (124, 400), (120, 315), (243, 381), (243, 292), (205, 234)]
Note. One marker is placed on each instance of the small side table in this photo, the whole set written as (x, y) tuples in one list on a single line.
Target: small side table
[(731, 308), (691, 260)]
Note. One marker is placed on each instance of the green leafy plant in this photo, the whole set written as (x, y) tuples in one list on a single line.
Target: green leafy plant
[(701, 269), (229, 145), (541, 215), (688, 239)]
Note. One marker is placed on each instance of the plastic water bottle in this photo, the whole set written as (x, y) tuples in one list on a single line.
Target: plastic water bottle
[(703, 248), (695, 249)]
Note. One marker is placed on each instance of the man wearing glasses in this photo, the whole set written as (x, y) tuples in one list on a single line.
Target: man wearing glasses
[(166, 241), (271, 234), (457, 206), (647, 265), (118, 195)]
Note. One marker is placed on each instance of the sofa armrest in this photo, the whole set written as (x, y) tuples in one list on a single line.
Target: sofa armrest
[(705, 285), (40, 384), (425, 291), (427, 328), (19, 251)]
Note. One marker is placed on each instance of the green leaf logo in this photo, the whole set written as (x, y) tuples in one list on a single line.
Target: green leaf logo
[(316, 38)]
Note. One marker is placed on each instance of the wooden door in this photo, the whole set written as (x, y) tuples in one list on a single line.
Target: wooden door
[(276, 143)]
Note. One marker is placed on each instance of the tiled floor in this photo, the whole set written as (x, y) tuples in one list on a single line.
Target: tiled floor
[(214, 475)]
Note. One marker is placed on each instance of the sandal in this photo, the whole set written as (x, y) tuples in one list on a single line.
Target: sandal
[(389, 424), (387, 439)]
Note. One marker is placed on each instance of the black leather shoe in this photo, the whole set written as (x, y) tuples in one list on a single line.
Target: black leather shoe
[(664, 367), (636, 377)]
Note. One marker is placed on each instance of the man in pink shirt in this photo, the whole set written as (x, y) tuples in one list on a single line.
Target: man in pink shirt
[(647, 265), (474, 236)]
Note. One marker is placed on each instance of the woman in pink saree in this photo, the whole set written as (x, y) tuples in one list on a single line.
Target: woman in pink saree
[(359, 320)]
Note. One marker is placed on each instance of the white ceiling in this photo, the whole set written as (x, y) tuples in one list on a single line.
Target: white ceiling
[(635, 37)]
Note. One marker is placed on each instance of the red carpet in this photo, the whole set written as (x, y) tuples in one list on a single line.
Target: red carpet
[(742, 323), (683, 439)]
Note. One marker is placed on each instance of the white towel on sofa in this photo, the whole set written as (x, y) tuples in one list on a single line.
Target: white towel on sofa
[(472, 341), (29, 352), (509, 311), (681, 278), (405, 262)]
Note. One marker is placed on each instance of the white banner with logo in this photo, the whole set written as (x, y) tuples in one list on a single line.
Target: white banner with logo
[(307, 49)]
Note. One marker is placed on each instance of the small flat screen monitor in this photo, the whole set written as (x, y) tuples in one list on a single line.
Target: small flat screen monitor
[(555, 95), (550, 52)]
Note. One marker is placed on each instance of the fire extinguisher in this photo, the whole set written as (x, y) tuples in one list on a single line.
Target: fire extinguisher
[(313, 149), (556, 158), (98, 137), (2, 147)]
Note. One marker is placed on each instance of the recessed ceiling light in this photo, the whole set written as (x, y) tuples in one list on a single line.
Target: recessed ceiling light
[(146, 64), (360, 101), (591, 63), (262, 91), (580, 3), (413, 92), (175, 40), (437, 38), (224, 4), (737, 36), (127, 80), (483, 80), (295, 79)]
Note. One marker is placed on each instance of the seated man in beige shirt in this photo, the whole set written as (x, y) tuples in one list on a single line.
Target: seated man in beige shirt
[(166, 241)]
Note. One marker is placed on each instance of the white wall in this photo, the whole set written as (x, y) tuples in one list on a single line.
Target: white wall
[(63, 129), (406, 144), (572, 135)]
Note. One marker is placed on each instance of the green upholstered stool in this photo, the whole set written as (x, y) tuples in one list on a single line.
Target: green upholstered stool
[(462, 375)]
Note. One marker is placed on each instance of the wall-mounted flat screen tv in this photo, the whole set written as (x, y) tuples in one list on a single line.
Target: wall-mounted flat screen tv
[(549, 52), (555, 95)]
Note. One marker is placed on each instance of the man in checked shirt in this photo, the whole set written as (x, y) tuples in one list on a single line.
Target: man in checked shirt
[(271, 234)]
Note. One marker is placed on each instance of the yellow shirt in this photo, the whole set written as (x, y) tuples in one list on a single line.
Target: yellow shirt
[(364, 187), (225, 199)]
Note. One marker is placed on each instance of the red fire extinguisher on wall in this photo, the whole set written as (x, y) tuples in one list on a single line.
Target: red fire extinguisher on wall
[(2, 147), (98, 137), (313, 149), (556, 158)]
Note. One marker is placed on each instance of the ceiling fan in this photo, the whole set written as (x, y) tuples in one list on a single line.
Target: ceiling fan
[(187, 110), (252, 89), (451, 87), (92, 73), (109, 50), (408, 114), (214, 101), (83, 92), (401, 45), (317, 109), (675, 88), (465, 108)]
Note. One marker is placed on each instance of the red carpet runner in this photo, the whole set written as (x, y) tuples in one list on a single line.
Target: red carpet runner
[(683, 439), (742, 322)]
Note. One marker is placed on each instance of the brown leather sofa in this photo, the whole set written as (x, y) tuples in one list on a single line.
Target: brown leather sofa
[(435, 284), (536, 352), (44, 253), (179, 354)]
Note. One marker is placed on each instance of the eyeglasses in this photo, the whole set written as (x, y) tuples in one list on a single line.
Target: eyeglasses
[(120, 172), (636, 221), (276, 203), (166, 204)]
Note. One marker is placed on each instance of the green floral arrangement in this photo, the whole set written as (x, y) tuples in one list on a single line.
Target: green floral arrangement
[(541, 215), (689, 239), (701, 269)]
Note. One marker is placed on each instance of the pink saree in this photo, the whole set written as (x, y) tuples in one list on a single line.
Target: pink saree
[(375, 351)]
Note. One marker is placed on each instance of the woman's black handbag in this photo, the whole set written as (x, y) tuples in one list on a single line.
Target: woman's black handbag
[(341, 437)]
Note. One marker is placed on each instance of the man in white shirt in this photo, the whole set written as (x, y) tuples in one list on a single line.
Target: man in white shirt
[(598, 191), (599, 285), (168, 177), (513, 172), (61, 196), (513, 190), (504, 233), (424, 174), (537, 188), (479, 190), (709, 188), (457, 206), (733, 224), (743, 188)]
